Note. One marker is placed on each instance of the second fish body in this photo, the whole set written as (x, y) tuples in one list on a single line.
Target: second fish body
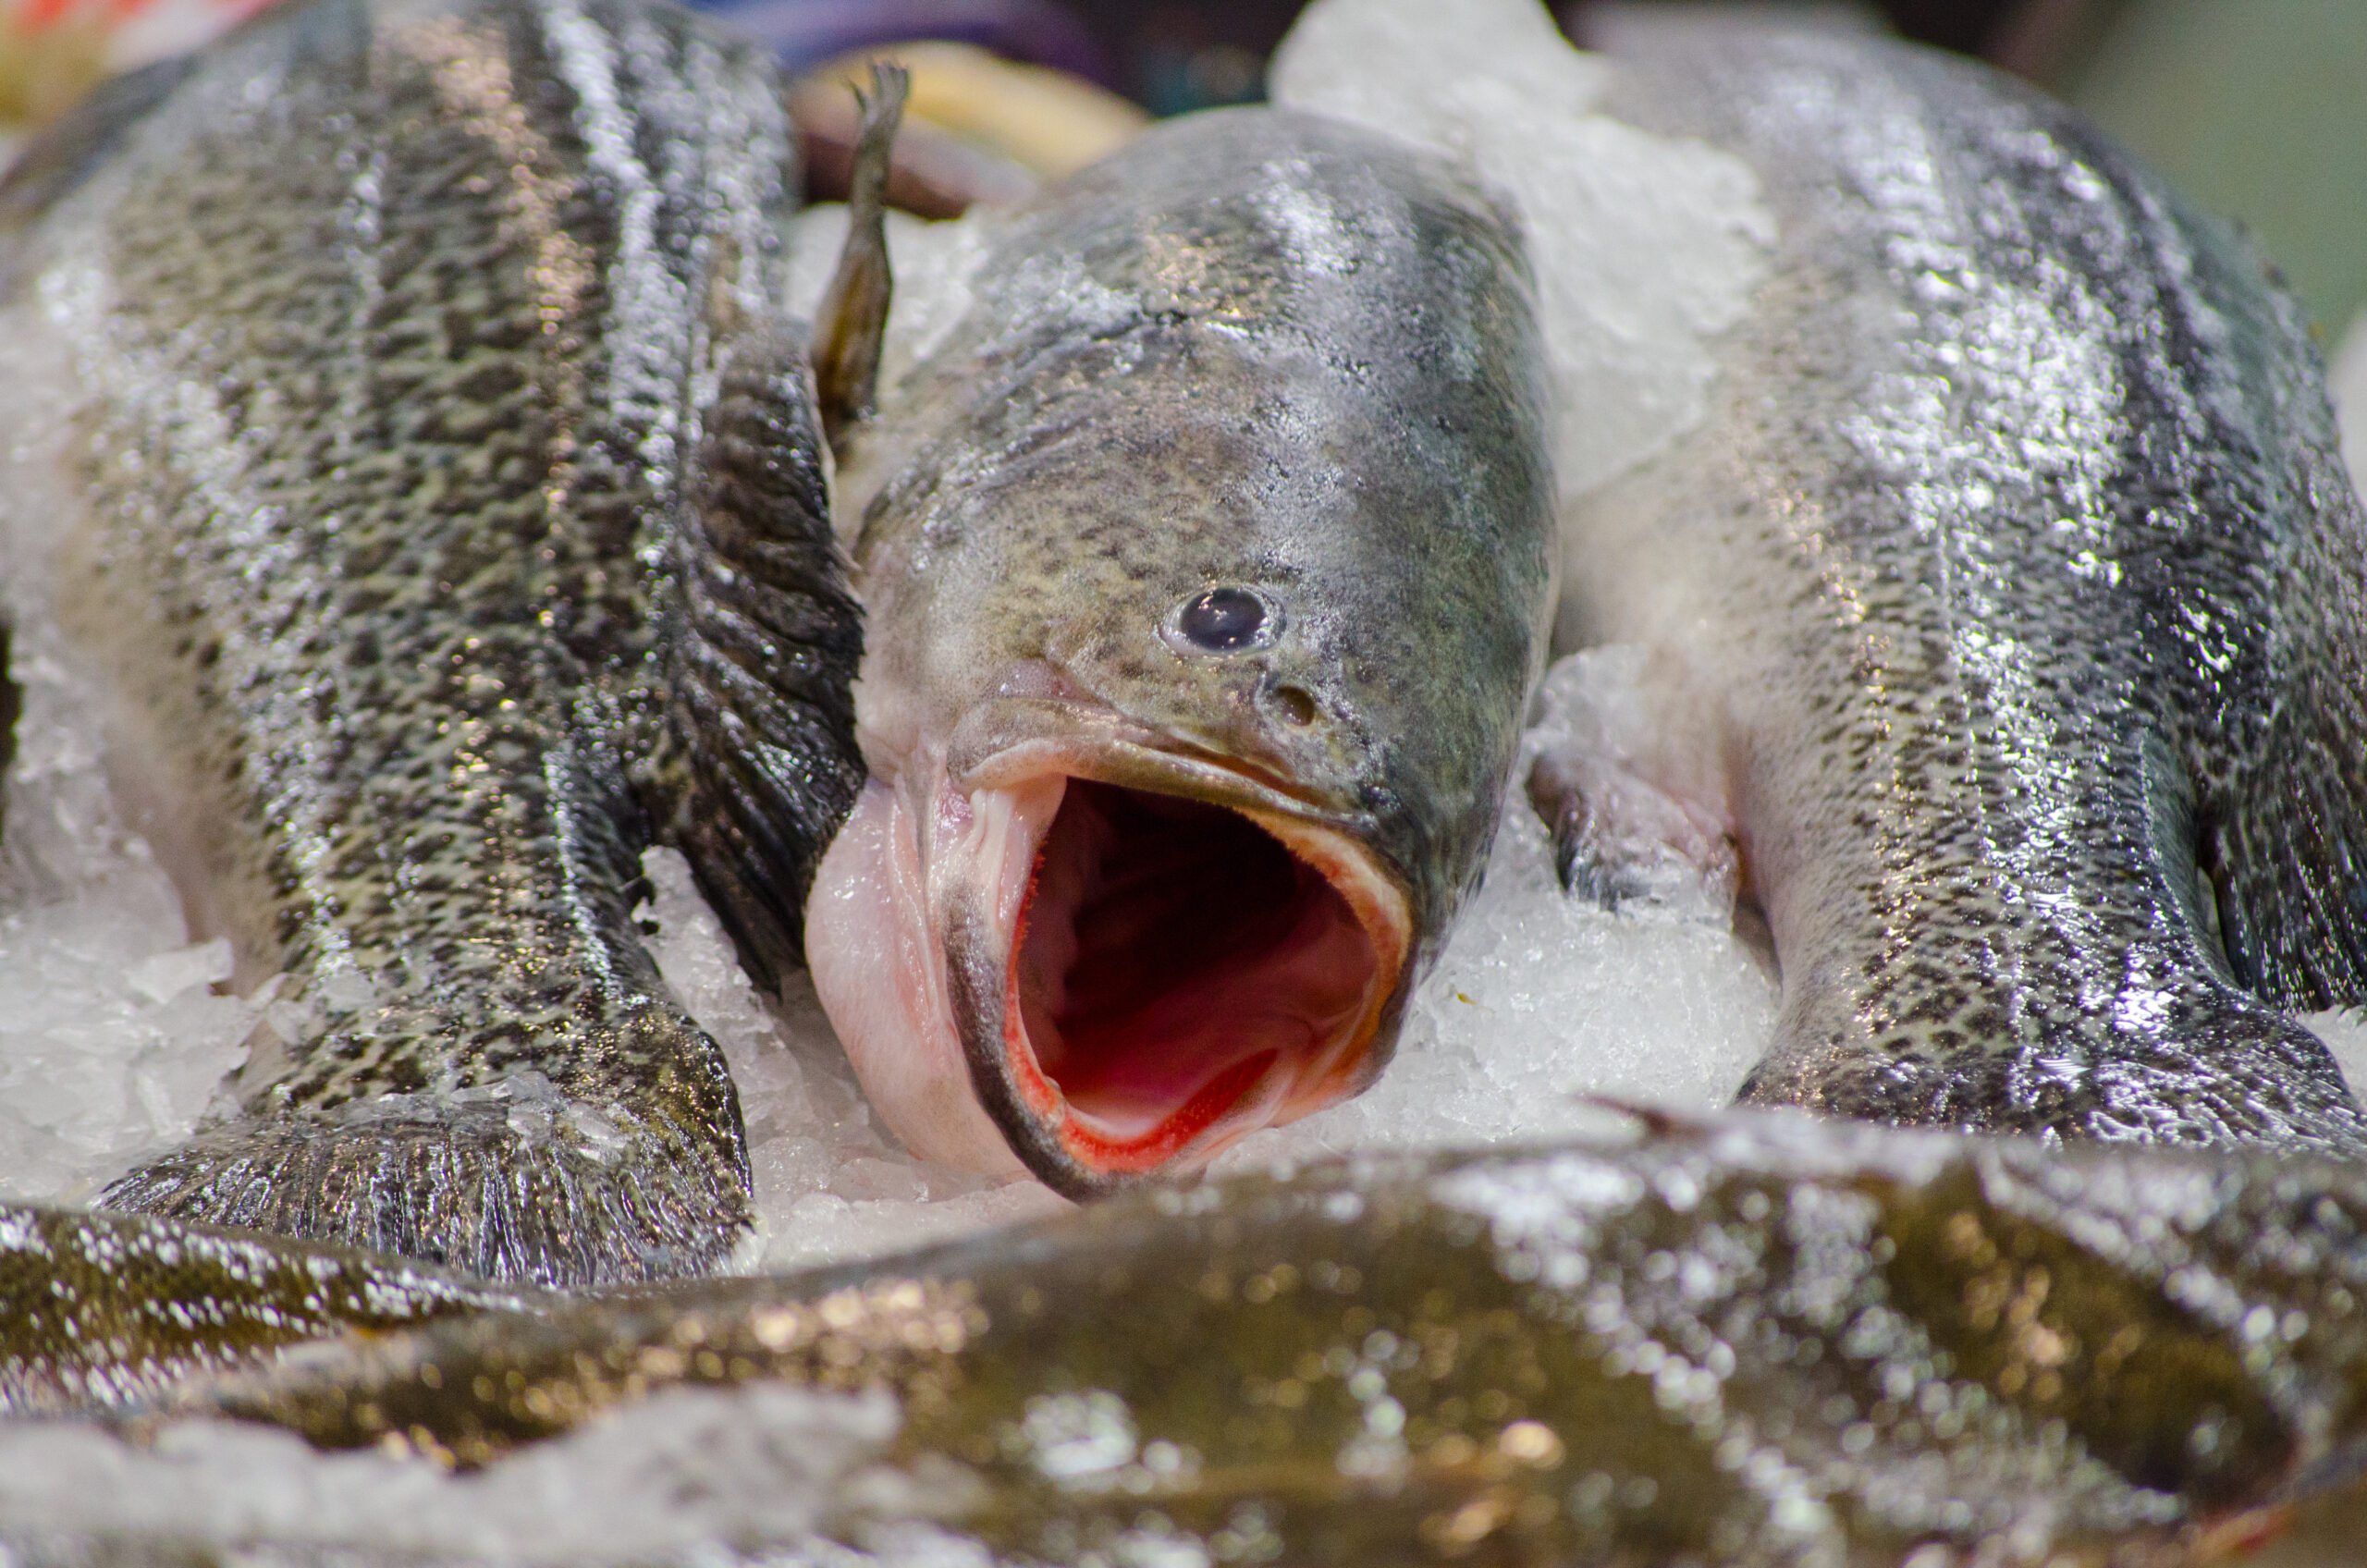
[(2008, 608), (416, 442)]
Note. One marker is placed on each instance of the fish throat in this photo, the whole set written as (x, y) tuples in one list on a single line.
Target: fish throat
[(1175, 971)]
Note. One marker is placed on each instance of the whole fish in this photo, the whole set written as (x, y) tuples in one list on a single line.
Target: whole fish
[(1757, 1340), (2014, 606), (428, 459), (1204, 567)]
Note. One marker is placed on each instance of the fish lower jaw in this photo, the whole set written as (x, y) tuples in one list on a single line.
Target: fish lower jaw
[(1121, 981)]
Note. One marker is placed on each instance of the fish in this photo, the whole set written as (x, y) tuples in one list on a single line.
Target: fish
[(2005, 618), (431, 466), (1205, 562), (100, 1311), (1753, 1337)]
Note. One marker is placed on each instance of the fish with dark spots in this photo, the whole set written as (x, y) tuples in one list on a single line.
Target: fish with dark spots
[(2020, 602), (439, 480), (1755, 1339), (1205, 568)]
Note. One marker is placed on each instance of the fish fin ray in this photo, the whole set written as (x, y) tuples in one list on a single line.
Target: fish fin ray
[(854, 316), (472, 1191), (761, 660)]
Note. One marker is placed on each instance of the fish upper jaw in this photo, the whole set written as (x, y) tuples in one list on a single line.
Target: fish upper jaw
[(1103, 957)]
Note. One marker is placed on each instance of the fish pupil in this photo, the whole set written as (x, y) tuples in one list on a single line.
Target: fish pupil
[(1223, 619)]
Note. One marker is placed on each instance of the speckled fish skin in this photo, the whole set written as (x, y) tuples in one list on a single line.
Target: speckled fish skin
[(1760, 1340), (2016, 562), (455, 522), (1255, 352), (106, 1310)]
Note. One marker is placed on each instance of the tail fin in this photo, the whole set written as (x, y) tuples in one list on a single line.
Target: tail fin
[(2283, 798), (94, 1304), (517, 1180)]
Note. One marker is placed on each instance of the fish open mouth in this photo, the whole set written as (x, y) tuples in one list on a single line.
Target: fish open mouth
[(1125, 977), (1176, 971)]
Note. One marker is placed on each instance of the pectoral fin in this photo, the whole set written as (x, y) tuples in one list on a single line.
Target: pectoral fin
[(761, 660)]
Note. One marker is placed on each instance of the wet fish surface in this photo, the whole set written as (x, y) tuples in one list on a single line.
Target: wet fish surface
[(1755, 1339), (101, 1310), (2019, 603), (1205, 563), (437, 476)]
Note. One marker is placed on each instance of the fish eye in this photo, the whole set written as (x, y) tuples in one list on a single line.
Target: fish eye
[(1225, 620)]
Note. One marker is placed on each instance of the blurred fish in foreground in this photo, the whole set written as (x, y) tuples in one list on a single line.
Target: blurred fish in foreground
[(1756, 1338)]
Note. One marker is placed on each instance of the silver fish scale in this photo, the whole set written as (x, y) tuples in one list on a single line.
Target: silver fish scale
[(425, 354), (2040, 593)]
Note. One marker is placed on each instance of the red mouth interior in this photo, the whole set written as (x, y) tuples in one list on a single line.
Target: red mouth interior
[(1171, 955)]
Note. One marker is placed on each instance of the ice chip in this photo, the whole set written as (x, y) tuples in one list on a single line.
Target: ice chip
[(162, 976), (2344, 1032)]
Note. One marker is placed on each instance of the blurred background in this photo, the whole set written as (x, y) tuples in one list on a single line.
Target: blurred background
[(2257, 109)]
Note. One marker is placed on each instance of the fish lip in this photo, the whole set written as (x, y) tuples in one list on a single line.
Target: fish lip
[(1160, 767), (980, 954), (1089, 738)]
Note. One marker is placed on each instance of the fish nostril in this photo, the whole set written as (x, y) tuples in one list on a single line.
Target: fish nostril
[(1298, 707), (1225, 620)]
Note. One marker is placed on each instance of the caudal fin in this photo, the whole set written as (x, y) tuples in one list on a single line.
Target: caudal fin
[(2284, 794), (506, 1183)]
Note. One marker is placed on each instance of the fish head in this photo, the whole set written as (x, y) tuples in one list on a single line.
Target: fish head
[(1196, 641)]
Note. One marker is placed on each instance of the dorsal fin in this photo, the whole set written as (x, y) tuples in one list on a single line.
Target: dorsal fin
[(855, 310)]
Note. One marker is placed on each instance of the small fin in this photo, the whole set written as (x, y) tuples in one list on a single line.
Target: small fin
[(853, 317), (1613, 732), (493, 1186), (761, 661), (1659, 1123), (1618, 838)]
